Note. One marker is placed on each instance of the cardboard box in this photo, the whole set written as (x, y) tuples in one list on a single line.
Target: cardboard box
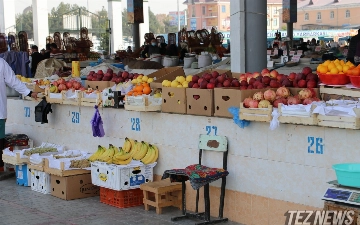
[(224, 98), (174, 100), (73, 187), (99, 85), (204, 105), (169, 73)]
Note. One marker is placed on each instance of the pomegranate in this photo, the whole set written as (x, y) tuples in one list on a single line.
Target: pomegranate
[(283, 92), (258, 96), (250, 87), (301, 83), (264, 104), (55, 83), (61, 81), (246, 102), (308, 101), (311, 84), (293, 100), (220, 79), (69, 84), (304, 94), (280, 100), (269, 95), (76, 85), (253, 104), (190, 84), (62, 87)]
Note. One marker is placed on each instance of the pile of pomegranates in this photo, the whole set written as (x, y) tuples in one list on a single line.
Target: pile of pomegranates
[(213, 80), (281, 95), (62, 85)]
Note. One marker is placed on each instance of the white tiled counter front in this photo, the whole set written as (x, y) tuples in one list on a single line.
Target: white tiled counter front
[(269, 169)]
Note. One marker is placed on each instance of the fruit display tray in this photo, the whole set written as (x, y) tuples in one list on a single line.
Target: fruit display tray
[(14, 160), (340, 121), (91, 101), (339, 92), (38, 167), (150, 108), (121, 199), (255, 114), (292, 118), (71, 101), (62, 172)]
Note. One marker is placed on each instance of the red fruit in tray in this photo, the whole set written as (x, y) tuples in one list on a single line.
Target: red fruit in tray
[(203, 84), (274, 84), (243, 87), (235, 83), (210, 86), (219, 85), (221, 79), (301, 83), (266, 80), (259, 78), (265, 72), (195, 78), (100, 72), (311, 84), (292, 76), (306, 70), (300, 76), (244, 83), (287, 83), (215, 74), (227, 83), (252, 81), (213, 81), (125, 74), (200, 80), (196, 85), (190, 84), (250, 87), (311, 76), (207, 77)]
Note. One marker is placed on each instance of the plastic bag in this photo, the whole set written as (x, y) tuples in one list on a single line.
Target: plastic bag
[(275, 121), (235, 112), (97, 124)]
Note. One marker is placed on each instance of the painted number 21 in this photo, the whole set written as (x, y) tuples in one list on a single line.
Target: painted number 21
[(210, 128), (135, 124), (27, 111), (75, 117), (319, 146)]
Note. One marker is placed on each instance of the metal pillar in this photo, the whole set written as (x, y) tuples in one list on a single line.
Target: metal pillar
[(116, 37), (290, 32), (136, 36), (41, 23), (144, 27)]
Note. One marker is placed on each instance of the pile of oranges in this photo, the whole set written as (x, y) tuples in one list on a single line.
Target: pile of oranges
[(335, 67), (140, 89)]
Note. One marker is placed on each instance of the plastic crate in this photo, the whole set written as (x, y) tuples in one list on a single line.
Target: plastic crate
[(23, 175), (121, 199)]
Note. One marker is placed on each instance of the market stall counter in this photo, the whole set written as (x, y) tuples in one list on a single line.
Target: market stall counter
[(270, 171)]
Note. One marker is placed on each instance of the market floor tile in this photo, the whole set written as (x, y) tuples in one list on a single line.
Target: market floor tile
[(19, 205)]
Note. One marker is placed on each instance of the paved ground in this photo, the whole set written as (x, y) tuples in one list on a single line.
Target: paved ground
[(19, 206)]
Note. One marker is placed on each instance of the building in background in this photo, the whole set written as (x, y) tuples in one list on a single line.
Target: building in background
[(205, 14), (173, 18), (274, 15), (328, 14)]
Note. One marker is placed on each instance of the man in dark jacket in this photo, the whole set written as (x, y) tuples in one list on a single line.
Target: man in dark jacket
[(153, 48), (352, 47), (47, 51), (36, 57)]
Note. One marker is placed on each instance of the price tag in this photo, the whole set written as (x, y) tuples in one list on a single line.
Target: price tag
[(269, 52), (135, 124), (295, 58), (75, 117), (270, 64), (276, 52), (299, 52), (211, 129), (292, 53), (317, 144), (317, 48), (27, 111)]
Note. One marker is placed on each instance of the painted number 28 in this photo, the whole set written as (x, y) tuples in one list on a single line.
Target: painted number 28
[(319, 146), (135, 124)]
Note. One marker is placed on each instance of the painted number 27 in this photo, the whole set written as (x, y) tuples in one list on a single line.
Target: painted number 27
[(27, 111), (75, 117), (210, 128), (135, 124), (319, 146)]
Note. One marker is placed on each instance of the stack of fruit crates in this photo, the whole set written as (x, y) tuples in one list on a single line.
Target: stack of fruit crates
[(121, 199)]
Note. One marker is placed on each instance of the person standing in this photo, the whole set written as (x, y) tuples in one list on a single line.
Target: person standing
[(36, 57), (151, 49), (7, 77), (47, 51), (352, 47)]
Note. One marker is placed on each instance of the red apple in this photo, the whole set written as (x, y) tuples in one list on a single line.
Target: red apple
[(266, 80), (301, 83), (256, 74), (196, 85), (200, 80), (125, 74), (244, 83), (210, 86), (213, 80), (252, 81), (274, 74), (207, 77), (195, 78), (311, 84), (227, 83), (242, 77), (306, 70), (203, 84), (190, 84), (235, 83), (292, 76), (221, 79), (219, 85), (215, 74)]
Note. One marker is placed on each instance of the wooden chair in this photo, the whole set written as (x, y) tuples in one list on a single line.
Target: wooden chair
[(202, 176)]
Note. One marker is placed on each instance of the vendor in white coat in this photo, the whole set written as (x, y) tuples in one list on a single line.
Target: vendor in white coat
[(7, 77)]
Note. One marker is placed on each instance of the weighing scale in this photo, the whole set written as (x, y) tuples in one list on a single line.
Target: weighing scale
[(343, 194)]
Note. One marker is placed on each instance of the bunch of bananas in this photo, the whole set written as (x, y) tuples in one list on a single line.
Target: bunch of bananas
[(97, 154), (103, 154)]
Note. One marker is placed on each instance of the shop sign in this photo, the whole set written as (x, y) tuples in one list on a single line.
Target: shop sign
[(27, 111), (135, 12), (312, 33), (193, 24), (289, 11)]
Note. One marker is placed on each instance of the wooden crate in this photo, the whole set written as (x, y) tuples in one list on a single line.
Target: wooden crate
[(255, 114), (38, 167), (53, 100), (14, 160), (145, 107), (296, 119), (332, 206), (62, 172), (91, 101), (71, 101), (340, 92), (339, 122)]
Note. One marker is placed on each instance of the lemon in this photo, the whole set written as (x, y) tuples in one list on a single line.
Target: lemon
[(180, 79), (168, 84), (334, 71), (140, 76), (327, 62), (340, 68), (341, 73), (189, 78), (331, 66), (134, 81), (345, 68), (150, 80), (174, 83), (145, 78), (164, 83), (185, 84), (179, 86), (323, 69)]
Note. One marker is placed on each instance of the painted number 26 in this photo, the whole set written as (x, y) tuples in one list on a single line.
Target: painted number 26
[(319, 146), (135, 124)]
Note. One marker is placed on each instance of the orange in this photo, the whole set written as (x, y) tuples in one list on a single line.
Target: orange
[(130, 93), (139, 88), (331, 65), (334, 71), (147, 90), (323, 69), (345, 68), (340, 68), (145, 85), (356, 72)]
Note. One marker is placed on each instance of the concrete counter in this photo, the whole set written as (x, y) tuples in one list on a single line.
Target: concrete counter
[(270, 171)]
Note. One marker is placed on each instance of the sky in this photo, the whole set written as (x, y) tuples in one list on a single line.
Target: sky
[(157, 6)]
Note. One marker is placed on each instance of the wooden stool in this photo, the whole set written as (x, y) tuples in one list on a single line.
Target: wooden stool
[(166, 194)]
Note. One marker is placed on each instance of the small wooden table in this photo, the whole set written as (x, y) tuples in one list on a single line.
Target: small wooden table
[(166, 194)]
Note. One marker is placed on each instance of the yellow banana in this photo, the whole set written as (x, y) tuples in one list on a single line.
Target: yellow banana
[(156, 155), (109, 161), (141, 154), (149, 155), (135, 149), (123, 156), (122, 162), (94, 156), (127, 145), (132, 142)]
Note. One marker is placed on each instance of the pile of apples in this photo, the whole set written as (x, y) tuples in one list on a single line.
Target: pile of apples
[(281, 95), (213, 80), (62, 85), (305, 79)]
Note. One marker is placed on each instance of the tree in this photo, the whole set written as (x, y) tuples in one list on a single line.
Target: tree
[(126, 27), (24, 22), (168, 27), (154, 25), (100, 23), (56, 14)]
